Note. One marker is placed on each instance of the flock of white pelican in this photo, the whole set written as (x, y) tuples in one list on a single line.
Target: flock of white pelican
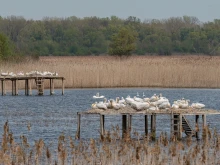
[(155, 102), (31, 73)]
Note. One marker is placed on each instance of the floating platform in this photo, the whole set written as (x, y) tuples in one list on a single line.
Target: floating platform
[(39, 80), (178, 122)]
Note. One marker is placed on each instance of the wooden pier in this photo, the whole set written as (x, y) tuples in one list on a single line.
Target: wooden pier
[(39, 80), (178, 122)]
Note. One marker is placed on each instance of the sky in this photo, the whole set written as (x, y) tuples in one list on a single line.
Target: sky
[(204, 10)]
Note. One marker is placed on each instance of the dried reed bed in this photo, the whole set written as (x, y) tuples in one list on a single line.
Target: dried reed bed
[(135, 71), (112, 150)]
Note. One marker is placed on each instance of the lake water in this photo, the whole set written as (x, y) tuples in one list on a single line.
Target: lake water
[(50, 116)]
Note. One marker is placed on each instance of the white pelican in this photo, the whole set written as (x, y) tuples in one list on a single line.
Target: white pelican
[(164, 105), (146, 99), (197, 105), (115, 105), (154, 98), (129, 100), (101, 105), (153, 108), (4, 73), (97, 96), (175, 106), (161, 100), (21, 73), (138, 99), (12, 74), (55, 74), (140, 106), (183, 103), (122, 101)]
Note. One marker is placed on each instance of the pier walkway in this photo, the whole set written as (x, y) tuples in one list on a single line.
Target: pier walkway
[(178, 122), (39, 80)]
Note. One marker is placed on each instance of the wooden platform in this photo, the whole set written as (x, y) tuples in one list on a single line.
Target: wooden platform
[(178, 121), (129, 110), (39, 80)]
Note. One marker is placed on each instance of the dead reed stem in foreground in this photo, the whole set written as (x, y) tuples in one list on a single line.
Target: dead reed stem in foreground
[(112, 150), (134, 71)]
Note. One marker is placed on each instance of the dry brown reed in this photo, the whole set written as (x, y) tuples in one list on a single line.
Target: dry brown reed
[(135, 71), (116, 151), (112, 150)]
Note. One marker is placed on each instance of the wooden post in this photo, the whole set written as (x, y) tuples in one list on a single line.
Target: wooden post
[(146, 125), (197, 126), (2, 87), (204, 120), (25, 87), (124, 125), (50, 87), (12, 87), (30, 88), (129, 125), (78, 126), (171, 125), (102, 123), (62, 86), (180, 127), (153, 126), (16, 87)]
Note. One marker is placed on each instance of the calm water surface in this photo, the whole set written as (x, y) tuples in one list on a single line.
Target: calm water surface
[(50, 116)]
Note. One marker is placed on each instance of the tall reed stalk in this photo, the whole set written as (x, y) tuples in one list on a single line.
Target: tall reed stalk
[(134, 71)]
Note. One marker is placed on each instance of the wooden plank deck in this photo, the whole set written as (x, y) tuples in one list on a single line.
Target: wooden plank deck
[(129, 110), (30, 77)]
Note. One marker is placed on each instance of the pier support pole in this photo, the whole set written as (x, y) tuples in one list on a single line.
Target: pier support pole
[(30, 88), (62, 86), (26, 88), (146, 124), (171, 125), (204, 120), (14, 90), (16, 87), (50, 86), (78, 126), (129, 125), (197, 127), (2, 87), (12, 87), (124, 125), (180, 127), (153, 126), (102, 126)]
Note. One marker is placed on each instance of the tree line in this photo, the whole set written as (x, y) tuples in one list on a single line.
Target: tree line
[(111, 35)]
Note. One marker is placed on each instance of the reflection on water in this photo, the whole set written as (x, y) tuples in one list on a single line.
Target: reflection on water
[(49, 116)]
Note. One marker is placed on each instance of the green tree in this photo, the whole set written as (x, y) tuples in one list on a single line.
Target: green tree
[(124, 42), (5, 50)]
